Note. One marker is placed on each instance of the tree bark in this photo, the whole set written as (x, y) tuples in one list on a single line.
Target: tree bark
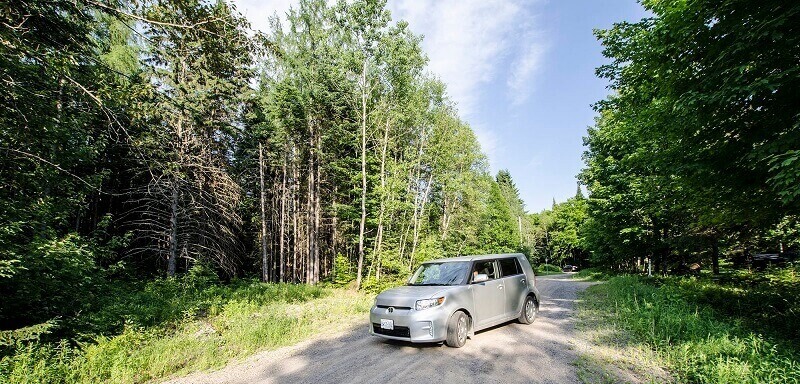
[(362, 223), (295, 204), (317, 206), (265, 272), (418, 219), (310, 231), (173, 231), (383, 194), (281, 241)]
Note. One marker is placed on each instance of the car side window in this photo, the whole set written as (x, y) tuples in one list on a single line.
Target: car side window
[(484, 267), (509, 267)]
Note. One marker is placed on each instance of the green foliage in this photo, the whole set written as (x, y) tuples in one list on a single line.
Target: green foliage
[(593, 274), (558, 235), (40, 364), (547, 269), (57, 278), (499, 235), (762, 302), (17, 338), (186, 324), (693, 341), (694, 153), (344, 271)]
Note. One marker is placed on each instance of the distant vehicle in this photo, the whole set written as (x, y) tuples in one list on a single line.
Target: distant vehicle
[(450, 299), (570, 268)]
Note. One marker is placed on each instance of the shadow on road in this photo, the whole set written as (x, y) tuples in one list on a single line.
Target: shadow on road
[(509, 353)]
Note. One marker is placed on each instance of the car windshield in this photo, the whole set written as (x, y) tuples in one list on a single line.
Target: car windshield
[(446, 273)]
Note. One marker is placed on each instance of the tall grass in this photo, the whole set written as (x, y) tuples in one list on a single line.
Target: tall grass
[(547, 269), (175, 326), (592, 274), (695, 342)]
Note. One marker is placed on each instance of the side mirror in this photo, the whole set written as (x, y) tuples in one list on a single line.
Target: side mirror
[(479, 278)]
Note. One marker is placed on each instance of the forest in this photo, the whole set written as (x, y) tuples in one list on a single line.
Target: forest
[(160, 157), (695, 156), (143, 139)]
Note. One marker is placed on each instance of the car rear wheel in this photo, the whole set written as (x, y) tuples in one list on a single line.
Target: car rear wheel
[(529, 311), (457, 329)]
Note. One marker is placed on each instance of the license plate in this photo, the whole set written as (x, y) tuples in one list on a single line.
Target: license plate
[(387, 324)]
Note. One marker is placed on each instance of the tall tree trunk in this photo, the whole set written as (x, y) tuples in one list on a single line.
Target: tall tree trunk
[(295, 204), (265, 270), (418, 220), (363, 221), (317, 205), (383, 197), (310, 234), (334, 238), (173, 231), (281, 241), (445, 216)]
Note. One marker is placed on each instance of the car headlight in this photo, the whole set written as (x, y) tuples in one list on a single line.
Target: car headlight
[(428, 303)]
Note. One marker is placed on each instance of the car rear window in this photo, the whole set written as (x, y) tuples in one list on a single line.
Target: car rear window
[(509, 267)]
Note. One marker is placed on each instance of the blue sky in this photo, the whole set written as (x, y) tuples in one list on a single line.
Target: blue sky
[(522, 73)]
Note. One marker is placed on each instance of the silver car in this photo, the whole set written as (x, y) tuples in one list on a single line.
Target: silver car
[(450, 299)]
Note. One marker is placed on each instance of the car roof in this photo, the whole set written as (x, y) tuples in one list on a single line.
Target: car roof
[(475, 257)]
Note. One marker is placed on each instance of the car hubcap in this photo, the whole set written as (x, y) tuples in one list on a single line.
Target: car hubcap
[(529, 311), (462, 329)]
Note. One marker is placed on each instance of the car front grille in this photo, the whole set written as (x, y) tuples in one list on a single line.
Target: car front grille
[(396, 332), (392, 306)]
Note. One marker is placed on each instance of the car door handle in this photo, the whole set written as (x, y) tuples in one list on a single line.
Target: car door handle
[(500, 286), (522, 281)]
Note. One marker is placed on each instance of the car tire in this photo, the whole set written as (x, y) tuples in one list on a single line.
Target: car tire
[(529, 310), (457, 329)]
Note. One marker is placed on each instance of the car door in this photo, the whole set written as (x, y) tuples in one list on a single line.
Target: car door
[(489, 296), (514, 282)]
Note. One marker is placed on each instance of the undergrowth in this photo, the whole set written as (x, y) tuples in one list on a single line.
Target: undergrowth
[(547, 269), (704, 330), (170, 327)]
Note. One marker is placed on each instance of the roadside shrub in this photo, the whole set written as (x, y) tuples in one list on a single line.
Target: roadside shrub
[(593, 274), (694, 341), (53, 278), (547, 268), (763, 302), (180, 325), (37, 363)]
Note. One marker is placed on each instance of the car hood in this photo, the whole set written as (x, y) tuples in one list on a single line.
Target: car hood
[(406, 296)]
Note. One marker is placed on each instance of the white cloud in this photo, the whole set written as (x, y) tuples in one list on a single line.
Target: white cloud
[(469, 42), (520, 80), (475, 44)]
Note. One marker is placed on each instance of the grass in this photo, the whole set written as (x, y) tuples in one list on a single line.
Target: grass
[(547, 269), (697, 329), (172, 327), (592, 274)]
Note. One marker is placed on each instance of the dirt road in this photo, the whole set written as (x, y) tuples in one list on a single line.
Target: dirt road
[(512, 353)]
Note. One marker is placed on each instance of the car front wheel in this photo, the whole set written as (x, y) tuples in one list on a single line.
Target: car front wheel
[(457, 329)]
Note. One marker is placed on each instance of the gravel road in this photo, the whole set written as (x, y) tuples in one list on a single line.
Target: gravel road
[(542, 352)]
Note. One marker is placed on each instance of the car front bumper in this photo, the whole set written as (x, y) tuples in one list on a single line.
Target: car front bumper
[(426, 326)]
